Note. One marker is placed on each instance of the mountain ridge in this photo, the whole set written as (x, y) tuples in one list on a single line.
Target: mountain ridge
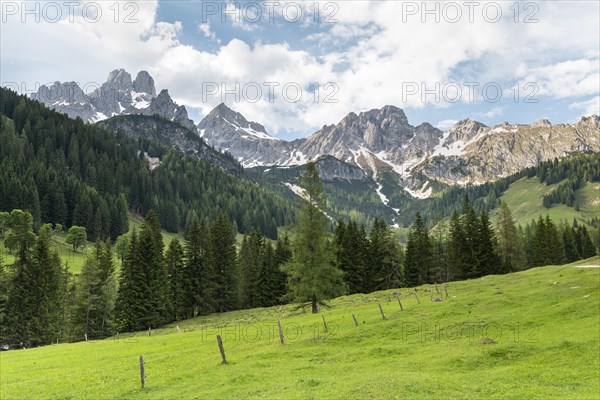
[(377, 141)]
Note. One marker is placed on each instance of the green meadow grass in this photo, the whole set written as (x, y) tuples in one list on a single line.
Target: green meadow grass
[(524, 199), (527, 335)]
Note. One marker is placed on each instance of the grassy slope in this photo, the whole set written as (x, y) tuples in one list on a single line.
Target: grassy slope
[(412, 354), (524, 198)]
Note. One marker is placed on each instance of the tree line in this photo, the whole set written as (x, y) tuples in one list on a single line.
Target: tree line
[(42, 302), (207, 273)]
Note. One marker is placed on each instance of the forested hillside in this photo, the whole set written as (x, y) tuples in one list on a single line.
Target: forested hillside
[(70, 173)]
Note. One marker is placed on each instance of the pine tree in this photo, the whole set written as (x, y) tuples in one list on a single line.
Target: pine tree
[(486, 243), (177, 278), (249, 262), (312, 274), (417, 263), (222, 257), (132, 300), (510, 245), (33, 306), (200, 280), (93, 314), (568, 240), (283, 253), (385, 258), (470, 227), (151, 248), (351, 253), (456, 245), (18, 328), (587, 246)]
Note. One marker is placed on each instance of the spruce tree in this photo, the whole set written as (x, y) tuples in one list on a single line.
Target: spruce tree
[(486, 247), (470, 227), (312, 274), (222, 257), (456, 246), (568, 240), (93, 314), (200, 279), (417, 262), (510, 245), (132, 300), (34, 303), (177, 278)]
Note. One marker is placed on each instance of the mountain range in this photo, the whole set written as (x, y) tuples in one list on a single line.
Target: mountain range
[(369, 145)]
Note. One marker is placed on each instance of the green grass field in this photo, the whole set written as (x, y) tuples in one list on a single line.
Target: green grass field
[(524, 198), (528, 335)]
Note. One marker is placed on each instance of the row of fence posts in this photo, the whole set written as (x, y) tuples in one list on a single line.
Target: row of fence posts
[(281, 338)]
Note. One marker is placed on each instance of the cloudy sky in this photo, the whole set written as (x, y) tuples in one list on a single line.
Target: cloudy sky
[(295, 66)]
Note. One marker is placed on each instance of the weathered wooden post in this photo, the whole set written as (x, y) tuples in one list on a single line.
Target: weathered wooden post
[(381, 309), (324, 323), (142, 374), (149, 331), (355, 321), (221, 349), (280, 331), (399, 303), (85, 335)]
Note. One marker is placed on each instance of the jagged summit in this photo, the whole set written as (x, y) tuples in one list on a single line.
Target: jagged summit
[(119, 95)]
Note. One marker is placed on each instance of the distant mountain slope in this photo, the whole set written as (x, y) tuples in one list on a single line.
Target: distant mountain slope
[(67, 172), (171, 134)]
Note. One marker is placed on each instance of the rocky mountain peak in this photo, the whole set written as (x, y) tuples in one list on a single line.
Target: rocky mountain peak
[(120, 79), (593, 121), (543, 123), (465, 130), (144, 83), (235, 118)]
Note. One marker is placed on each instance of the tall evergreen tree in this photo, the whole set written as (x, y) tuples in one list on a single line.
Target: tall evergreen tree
[(470, 227), (132, 304), (34, 303), (456, 245), (222, 257), (312, 274), (178, 275), (486, 247), (417, 263), (200, 289), (93, 314), (510, 245)]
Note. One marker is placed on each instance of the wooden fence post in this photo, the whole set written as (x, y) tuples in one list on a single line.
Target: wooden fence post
[(280, 331), (399, 303), (381, 309), (149, 331), (446, 290), (142, 374), (324, 323), (85, 335), (221, 349), (355, 321)]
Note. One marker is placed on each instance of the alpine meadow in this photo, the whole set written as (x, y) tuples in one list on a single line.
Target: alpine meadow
[(299, 200)]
